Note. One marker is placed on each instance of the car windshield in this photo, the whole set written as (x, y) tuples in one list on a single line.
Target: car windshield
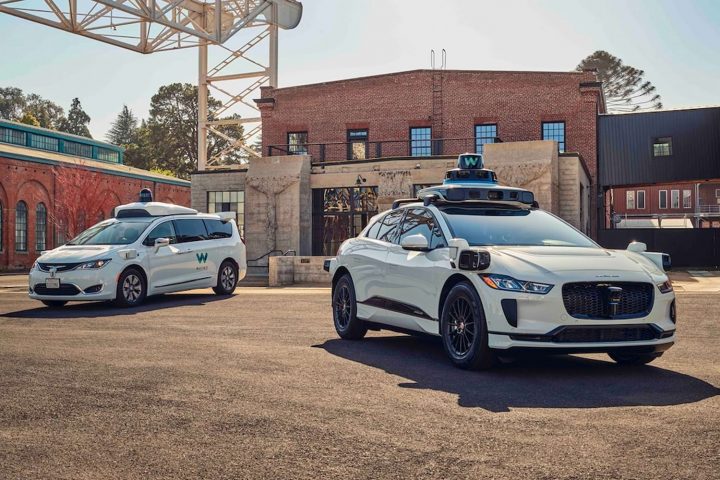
[(507, 226), (113, 232)]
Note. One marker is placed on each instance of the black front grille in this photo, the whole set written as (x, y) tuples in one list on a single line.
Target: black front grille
[(605, 334), (592, 299), (65, 289), (61, 267)]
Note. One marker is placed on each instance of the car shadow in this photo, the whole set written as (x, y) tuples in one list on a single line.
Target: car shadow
[(562, 381), (107, 309)]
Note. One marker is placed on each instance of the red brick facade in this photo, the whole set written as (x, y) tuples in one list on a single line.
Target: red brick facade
[(34, 183), (388, 105)]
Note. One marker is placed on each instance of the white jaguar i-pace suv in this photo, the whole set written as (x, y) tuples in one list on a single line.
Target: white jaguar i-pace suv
[(492, 274)]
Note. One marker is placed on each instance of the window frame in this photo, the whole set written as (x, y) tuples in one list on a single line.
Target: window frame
[(657, 141), (561, 148), (674, 197), (660, 195), (637, 200), (293, 148), (429, 141), (38, 246), (24, 232), (351, 142), (689, 197), (398, 226), (173, 239), (475, 135), (630, 200)]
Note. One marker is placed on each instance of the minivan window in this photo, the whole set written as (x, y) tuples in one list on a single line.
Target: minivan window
[(190, 230), (374, 229), (420, 221), (164, 230), (112, 232), (389, 226), (218, 229)]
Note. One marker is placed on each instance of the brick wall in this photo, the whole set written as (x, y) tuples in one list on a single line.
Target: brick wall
[(389, 105), (652, 199), (34, 182)]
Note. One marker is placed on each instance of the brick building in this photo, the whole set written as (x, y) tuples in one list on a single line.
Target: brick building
[(336, 153), (38, 170)]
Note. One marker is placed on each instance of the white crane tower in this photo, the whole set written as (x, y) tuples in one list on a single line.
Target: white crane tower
[(149, 26)]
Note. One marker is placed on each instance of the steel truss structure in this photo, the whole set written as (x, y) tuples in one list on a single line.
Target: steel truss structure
[(149, 26)]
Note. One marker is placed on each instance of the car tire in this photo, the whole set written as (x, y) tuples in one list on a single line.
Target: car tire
[(227, 278), (54, 303), (464, 330), (344, 306), (634, 358), (131, 288)]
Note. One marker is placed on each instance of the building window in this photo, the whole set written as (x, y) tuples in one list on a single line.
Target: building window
[(554, 131), (44, 143), (663, 198), (40, 227), (8, 135), (674, 198), (357, 144), (420, 141), (21, 227), (229, 202), (340, 213), (297, 143), (662, 147), (1, 227), (717, 193), (79, 149), (687, 199), (630, 199), (640, 199), (108, 155), (484, 134)]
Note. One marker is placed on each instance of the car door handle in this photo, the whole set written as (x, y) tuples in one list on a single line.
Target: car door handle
[(183, 252)]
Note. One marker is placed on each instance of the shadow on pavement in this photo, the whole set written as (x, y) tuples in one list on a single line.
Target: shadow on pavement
[(107, 309), (533, 382)]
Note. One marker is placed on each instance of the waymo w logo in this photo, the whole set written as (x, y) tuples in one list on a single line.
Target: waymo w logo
[(201, 257)]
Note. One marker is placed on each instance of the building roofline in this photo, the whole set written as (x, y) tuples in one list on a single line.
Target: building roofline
[(62, 135), (425, 70), (664, 110)]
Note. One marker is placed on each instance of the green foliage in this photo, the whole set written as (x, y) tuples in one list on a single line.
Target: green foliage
[(124, 129), (77, 120), (625, 88), (28, 119), (163, 171), (14, 105)]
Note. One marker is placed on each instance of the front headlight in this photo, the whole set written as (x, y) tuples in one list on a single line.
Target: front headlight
[(503, 282), (665, 287), (34, 266), (94, 264)]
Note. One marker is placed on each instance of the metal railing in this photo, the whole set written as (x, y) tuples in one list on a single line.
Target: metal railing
[(368, 150), (709, 209), (255, 262)]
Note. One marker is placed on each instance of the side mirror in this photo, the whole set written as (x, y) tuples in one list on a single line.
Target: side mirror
[(637, 247), (416, 243), (161, 242), (474, 260)]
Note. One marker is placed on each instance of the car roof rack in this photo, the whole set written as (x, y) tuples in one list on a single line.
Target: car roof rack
[(402, 201)]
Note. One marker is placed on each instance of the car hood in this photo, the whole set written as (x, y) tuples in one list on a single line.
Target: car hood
[(550, 260), (78, 253)]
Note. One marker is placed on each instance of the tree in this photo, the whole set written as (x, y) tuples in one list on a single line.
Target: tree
[(28, 119), (625, 88), (172, 130), (12, 103), (49, 114), (81, 199), (124, 129), (76, 121)]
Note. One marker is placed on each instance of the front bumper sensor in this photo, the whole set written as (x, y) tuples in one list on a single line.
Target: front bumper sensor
[(326, 265)]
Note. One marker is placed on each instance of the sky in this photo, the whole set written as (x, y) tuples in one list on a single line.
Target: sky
[(676, 43)]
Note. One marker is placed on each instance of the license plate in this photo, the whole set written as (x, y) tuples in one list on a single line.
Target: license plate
[(52, 283)]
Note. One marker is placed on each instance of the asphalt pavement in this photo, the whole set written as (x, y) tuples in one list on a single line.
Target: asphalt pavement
[(259, 386)]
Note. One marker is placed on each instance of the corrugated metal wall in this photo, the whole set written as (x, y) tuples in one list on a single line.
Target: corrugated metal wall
[(625, 147)]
